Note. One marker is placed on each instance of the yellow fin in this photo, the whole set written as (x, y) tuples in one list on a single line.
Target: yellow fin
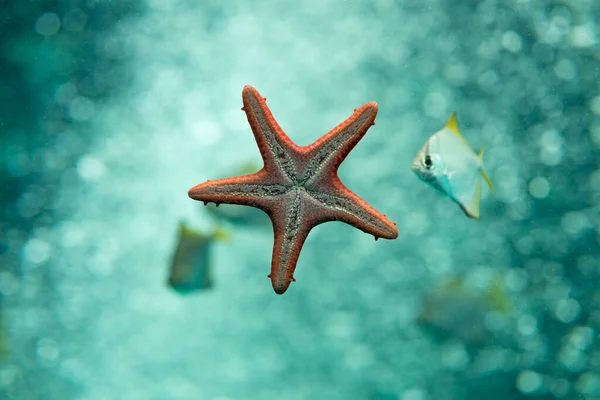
[(221, 234), (218, 234), (483, 173), (488, 180), (477, 200), (248, 167), (185, 230), (498, 297), (452, 124)]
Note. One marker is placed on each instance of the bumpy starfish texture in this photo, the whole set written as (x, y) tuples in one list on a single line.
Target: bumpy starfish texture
[(298, 187)]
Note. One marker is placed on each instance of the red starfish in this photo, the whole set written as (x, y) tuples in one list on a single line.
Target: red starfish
[(298, 187)]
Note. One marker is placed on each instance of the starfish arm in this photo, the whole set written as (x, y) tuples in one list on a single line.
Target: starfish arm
[(250, 190), (276, 148), (327, 153), (345, 206), (291, 226)]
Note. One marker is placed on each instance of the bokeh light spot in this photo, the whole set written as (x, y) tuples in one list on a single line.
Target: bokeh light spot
[(539, 187), (81, 108), (90, 168), (47, 24), (529, 381), (511, 41), (36, 251)]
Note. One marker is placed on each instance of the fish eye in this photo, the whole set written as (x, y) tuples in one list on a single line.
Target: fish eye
[(427, 162)]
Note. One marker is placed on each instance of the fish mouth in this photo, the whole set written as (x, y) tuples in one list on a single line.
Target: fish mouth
[(416, 165)]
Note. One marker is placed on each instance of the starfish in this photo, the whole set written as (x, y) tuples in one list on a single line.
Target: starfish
[(298, 186)]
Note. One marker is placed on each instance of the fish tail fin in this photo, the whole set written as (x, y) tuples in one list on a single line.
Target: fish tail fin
[(482, 171), (473, 210), (488, 181)]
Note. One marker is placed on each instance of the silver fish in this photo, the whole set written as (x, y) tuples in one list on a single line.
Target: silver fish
[(448, 163)]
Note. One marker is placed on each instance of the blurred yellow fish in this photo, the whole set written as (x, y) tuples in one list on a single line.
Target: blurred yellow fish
[(448, 163), (456, 309), (191, 264)]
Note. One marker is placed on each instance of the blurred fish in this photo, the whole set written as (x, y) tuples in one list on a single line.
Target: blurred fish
[(458, 310), (191, 265), (240, 216), (449, 164)]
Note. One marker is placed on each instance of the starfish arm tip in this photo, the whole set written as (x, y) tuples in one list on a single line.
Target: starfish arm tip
[(191, 192), (392, 231), (249, 89), (372, 106), (370, 109), (280, 288), (196, 192), (281, 282)]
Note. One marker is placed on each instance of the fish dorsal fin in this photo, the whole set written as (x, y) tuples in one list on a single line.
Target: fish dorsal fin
[(186, 230), (452, 124), (221, 234)]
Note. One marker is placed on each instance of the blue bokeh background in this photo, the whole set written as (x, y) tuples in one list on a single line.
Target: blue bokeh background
[(111, 111)]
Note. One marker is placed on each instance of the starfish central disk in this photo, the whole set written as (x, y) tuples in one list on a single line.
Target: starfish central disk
[(298, 186)]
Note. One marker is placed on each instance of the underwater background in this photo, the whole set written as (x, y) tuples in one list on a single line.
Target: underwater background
[(111, 110)]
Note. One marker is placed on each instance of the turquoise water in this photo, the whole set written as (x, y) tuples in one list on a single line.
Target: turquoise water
[(111, 112)]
